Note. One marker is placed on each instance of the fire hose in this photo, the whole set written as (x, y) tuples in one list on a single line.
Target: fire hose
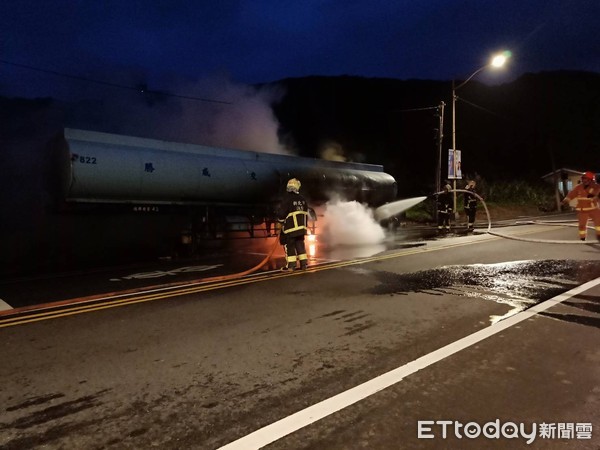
[(246, 272), (537, 222)]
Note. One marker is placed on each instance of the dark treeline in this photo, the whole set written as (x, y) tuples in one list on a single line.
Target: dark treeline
[(515, 131)]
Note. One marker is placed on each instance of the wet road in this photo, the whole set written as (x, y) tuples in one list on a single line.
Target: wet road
[(217, 260), (450, 323)]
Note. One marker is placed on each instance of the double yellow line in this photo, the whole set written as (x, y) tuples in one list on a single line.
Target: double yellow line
[(84, 305), (79, 306)]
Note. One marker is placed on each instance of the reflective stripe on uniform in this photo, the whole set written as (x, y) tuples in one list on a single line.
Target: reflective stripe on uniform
[(294, 216), (587, 203)]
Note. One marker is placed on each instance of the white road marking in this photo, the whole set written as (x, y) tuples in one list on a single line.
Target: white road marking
[(170, 272), (4, 306), (305, 417)]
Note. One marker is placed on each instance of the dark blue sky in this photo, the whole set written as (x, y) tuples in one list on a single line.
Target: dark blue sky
[(167, 43)]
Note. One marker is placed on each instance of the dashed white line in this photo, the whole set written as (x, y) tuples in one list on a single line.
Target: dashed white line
[(305, 417)]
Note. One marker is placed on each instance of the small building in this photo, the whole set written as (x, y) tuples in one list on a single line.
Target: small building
[(563, 179)]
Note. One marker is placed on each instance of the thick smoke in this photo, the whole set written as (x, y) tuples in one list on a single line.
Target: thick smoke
[(249, 122), (240, 117), (332, 151), (213, 111)]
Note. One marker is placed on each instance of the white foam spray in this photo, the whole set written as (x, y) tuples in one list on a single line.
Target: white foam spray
[(351, 224)]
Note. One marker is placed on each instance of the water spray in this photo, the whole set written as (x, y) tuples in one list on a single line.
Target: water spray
[(394, 208)]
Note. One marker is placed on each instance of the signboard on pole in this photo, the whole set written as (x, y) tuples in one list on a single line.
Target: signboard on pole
[(454, 165)]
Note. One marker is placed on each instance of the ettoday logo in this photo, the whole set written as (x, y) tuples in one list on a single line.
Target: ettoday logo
[(430, 429), (472, 430)]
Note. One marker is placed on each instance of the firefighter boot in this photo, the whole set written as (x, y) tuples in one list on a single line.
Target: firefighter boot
[(290, 267), (303, 264)]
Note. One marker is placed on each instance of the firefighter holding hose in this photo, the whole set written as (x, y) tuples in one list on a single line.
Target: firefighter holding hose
[(584, 198), (293, 214)]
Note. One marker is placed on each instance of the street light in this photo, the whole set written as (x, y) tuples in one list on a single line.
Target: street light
[(496, 62)]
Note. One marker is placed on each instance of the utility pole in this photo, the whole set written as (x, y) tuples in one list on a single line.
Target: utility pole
[(497, 61), (456, 215), (438, 176)]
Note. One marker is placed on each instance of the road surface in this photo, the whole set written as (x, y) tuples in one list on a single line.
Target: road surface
[(442, 343)]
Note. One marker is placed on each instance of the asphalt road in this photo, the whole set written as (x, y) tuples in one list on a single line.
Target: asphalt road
[(385, 351)]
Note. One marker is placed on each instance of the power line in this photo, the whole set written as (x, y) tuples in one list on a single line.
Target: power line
[(480, 107), (115, 85), (429, 108)]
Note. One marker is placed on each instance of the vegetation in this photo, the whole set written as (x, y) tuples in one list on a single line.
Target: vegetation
[(504, 199), (522, 193)]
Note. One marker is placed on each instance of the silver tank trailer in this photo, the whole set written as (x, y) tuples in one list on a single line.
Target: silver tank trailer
[(107, 168)]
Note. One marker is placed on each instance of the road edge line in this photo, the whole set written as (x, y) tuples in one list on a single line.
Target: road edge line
[(294, 422)]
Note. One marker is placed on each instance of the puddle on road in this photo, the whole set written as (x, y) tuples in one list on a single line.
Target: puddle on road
[(519, 284)]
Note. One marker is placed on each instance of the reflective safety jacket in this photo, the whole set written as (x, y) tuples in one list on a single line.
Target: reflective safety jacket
[(444, 203), (584, 198), (470, 200), (293, 211)]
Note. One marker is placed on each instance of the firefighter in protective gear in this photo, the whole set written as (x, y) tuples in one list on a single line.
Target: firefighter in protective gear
[(444, 208), (293, 213), (584, 198), (470, 202)]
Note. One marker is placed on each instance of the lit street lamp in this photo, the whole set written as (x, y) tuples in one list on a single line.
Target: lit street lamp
[(496, 62)]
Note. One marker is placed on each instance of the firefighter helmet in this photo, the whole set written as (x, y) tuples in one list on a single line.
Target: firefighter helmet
[(588, 176), (293, 185)]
